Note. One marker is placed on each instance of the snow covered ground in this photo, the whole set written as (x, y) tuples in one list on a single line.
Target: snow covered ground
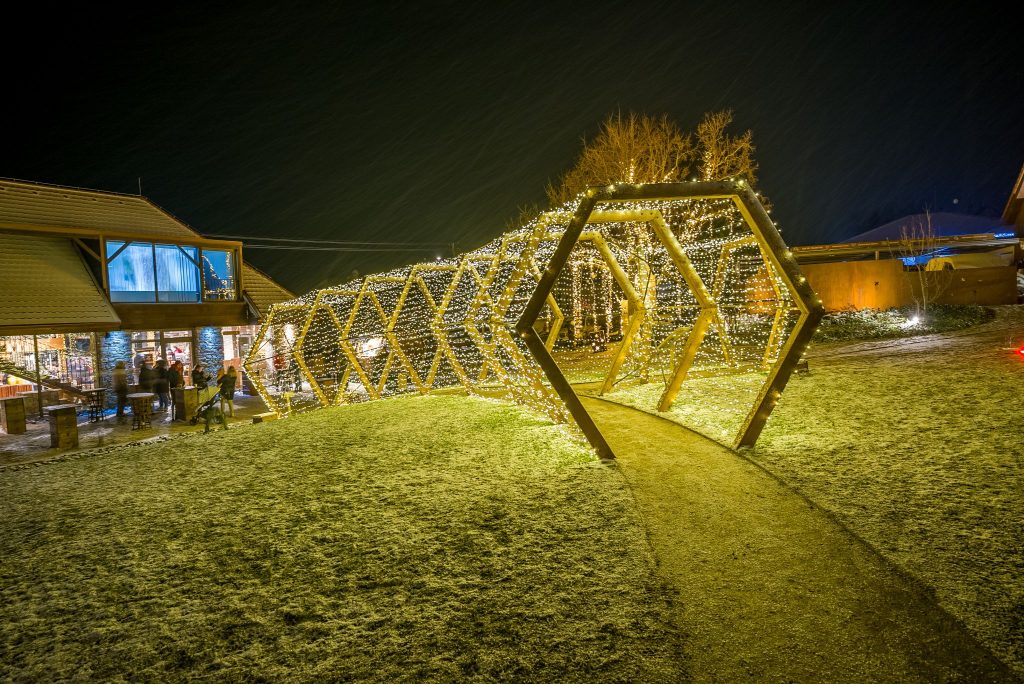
[(413, 539), (917, 446)]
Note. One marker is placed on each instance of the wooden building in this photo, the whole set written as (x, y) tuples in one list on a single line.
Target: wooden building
[(89, 278), (954, 258)]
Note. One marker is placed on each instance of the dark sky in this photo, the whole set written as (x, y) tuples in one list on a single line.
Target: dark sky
[(364, 122)]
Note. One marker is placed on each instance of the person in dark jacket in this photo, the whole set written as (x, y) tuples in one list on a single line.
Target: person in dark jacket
[(120, 382), (174, 381), (160, 384), (199, 376), (146, 378), (227, 390)]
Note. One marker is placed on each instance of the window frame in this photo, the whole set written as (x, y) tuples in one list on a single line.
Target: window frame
[(234, 251)]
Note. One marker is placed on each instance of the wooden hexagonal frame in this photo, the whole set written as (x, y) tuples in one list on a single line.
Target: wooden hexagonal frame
[(771, 246)]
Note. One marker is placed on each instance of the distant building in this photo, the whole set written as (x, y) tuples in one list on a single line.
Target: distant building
[(965, 259), (1013, 214), (90, 278)]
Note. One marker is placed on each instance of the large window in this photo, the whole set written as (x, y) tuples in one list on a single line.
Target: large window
[(218, 275), (177, 273), (144, 272), (130, 271)]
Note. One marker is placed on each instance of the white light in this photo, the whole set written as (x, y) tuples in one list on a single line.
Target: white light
[(370, 347), (911, 322)]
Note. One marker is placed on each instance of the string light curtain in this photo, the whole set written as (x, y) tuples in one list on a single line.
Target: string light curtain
[(679, 298)]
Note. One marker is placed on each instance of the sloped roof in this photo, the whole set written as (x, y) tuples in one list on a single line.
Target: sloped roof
[(45, 285), (943, 223), (29, 205), (261, 290), (1014, 211)]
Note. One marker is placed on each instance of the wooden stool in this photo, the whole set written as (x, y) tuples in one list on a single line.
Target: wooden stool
[(96, 401), (142, 409), (63, 425), (12, 415)]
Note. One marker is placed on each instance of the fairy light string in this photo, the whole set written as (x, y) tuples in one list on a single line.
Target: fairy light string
[(717, 304)]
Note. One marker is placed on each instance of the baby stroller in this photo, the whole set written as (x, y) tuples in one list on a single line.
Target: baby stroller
[(209, 411)]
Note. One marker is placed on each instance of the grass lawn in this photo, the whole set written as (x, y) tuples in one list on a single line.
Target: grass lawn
[(433, 539), (917, 446), (919, 449)]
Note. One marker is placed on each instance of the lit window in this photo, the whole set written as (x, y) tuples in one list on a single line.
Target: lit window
[(177, 273), (218, 275), (130, 271)]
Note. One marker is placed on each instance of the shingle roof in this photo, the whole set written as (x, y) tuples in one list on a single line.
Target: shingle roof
[(262, 290), (31, 204), (44, 282)]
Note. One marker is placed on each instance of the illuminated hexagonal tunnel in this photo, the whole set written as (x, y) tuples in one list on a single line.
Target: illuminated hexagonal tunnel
[(679, 298)]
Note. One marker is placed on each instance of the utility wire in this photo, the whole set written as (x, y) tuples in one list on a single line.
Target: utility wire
[(346, 249), (332, 242)]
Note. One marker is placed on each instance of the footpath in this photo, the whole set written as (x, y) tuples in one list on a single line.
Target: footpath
[(768, 587)]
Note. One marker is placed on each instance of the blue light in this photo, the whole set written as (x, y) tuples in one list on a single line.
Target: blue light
[(1010, 234)]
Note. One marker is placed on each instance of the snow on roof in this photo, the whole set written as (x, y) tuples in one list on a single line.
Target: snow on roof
[(944, 224), (27, 205), (44, 283)]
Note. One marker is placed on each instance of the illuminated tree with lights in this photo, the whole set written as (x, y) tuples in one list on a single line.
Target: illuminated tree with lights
[(722, 155), (644, 149), (632, 149)]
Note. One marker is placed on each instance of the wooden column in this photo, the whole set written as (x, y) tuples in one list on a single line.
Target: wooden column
[(12, 415), (63, 426)]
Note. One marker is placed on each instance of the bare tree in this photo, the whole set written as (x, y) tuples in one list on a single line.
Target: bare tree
[(917, 243), (632, 149), (643, 149), (722, 155)]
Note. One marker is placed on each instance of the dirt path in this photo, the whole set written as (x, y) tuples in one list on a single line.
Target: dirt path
[(770, 588)]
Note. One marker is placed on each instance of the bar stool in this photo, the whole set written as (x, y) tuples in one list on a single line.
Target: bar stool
[(96, 401), (142, 409)]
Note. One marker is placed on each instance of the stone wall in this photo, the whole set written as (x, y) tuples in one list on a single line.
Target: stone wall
[(113, 347), (210, 349)]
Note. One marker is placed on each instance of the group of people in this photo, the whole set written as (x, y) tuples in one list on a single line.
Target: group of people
[(162, 378)]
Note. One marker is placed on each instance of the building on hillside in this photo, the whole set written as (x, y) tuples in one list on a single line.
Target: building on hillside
[(950, 258), (90, 278)]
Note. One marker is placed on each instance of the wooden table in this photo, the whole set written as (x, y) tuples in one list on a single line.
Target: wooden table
[(96, 401), (142, 409)]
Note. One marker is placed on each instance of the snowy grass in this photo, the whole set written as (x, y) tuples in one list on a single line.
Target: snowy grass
[(714, 407), (869, 324), (426, 539), (920, 453), (916, 445)]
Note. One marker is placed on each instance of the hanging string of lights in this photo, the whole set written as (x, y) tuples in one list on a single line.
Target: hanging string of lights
[(657, 294)]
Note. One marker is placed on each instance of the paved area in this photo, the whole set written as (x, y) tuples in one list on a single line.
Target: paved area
[(34, 445), (769, 587)]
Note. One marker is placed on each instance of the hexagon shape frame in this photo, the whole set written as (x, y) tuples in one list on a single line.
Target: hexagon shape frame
[(771, 245)]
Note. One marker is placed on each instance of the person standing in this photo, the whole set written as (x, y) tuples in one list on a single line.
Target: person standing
[(199, 377), (174, 381), (227, 390), (120, 381), (160, 384), (146, 377)]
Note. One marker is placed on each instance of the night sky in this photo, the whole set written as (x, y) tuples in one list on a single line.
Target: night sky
[(365, 122)]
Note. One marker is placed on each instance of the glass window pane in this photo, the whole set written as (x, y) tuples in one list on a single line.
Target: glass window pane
[(130, 273), (177, 273), (218, 275)]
